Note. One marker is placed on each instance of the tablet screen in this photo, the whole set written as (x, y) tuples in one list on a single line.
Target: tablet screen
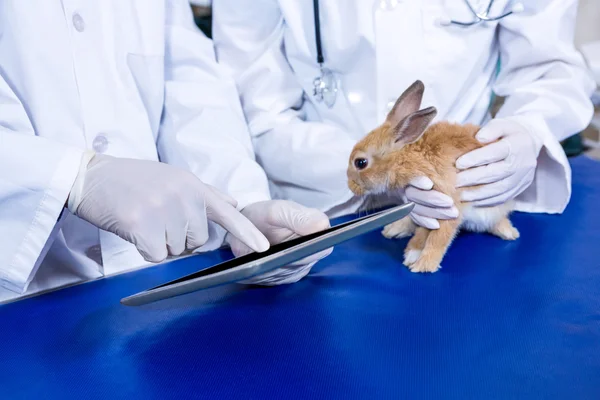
[(257, 256), (277, 256)]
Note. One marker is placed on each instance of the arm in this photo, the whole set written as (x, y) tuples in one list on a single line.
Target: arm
[(542, 75), (248, 35), (203, 128), (547, 90), (36, 175), (295, 153)]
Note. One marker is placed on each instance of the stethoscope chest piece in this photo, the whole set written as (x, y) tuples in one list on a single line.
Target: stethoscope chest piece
[(481, 17), (325, 88)]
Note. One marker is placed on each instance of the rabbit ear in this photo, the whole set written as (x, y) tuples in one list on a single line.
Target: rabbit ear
[(408, 103), (414, 125)]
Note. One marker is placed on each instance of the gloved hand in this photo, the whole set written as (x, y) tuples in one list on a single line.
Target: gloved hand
[(282, 220), (161, 209), (430, 205), (505, 167)]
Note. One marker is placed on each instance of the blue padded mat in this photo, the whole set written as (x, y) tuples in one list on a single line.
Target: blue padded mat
[(501, 320)]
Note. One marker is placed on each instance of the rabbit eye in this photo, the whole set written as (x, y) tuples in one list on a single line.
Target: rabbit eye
[(361, 163)]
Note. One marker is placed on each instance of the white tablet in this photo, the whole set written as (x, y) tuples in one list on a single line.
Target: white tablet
[(279, 255)]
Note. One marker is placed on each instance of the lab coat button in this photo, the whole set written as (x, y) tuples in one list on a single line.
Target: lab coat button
[(354, 97), (100, 144), (78, 22)]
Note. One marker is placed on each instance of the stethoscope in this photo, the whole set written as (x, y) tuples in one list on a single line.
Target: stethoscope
[(325, 86), (482, 17)]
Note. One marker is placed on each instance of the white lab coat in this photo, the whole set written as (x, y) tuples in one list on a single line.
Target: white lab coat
[(377, 49), (128, 78)]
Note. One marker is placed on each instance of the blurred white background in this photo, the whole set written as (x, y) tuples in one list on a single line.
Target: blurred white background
[(588, 26)]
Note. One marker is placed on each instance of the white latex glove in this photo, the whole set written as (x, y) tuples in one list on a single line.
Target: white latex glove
[(430, 205), (505, 168), (280, 221), (161, 209)]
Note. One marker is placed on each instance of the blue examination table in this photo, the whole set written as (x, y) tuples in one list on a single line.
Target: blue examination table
[(500, 320)]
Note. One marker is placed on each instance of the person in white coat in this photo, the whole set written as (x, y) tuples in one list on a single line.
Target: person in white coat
[(375, 49), (92, 96)]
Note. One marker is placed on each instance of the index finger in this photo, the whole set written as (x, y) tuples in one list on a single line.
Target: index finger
[(488, 154), (223, 196), (235, 223)]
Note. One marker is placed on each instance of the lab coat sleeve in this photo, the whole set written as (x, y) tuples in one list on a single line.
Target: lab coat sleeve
[(36, 176), (249, 39), (203, 127), (548, 91)]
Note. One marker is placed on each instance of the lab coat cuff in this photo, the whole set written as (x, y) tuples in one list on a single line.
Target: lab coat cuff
[(550, 190), (77, 188), (22, 268)]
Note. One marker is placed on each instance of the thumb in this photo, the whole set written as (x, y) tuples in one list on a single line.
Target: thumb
[(301, 220), (493, 131), (422, 182)]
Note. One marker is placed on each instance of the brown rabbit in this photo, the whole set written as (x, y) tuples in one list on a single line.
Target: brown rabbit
[(403, 148)]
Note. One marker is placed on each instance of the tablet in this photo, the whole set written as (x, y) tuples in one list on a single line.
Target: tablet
[(279, 255)]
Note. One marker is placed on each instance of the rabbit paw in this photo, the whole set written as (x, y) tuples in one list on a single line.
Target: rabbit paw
[(510, 233), (422, 265), (505, 230), (402, 228), (411, 256)]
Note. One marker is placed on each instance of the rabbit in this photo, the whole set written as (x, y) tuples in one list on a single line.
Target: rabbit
[(403, 148)]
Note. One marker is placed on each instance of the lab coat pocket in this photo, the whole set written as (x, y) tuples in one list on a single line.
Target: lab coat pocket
[(451, 48), (148, 76)]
